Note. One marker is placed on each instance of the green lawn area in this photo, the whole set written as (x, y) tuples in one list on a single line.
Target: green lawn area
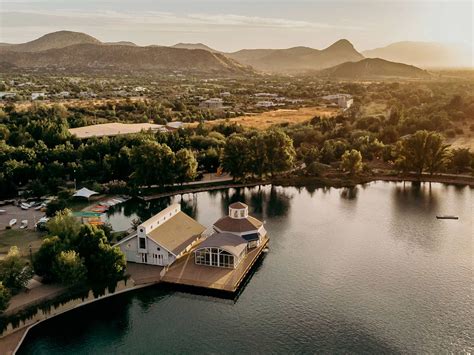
[(20, 238)]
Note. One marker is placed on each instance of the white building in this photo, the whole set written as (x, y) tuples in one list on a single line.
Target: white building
[(234, 235), (4, 95), (163, 238), (37, 95), (344, 101), (213, 104), (265, 104)]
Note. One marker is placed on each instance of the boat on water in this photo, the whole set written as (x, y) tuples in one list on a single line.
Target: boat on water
[(24, 224), (447, 217), (12, 222)]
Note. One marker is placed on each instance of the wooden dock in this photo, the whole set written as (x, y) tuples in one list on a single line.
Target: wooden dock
[(185, 272)]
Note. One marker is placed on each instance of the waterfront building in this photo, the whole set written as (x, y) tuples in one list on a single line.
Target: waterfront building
[(163, 238), (235, 234)]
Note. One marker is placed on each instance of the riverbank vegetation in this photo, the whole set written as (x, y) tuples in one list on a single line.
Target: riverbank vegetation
[(38, 154)]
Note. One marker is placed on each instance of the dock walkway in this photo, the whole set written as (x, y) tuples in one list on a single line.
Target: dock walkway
[(185, 272)]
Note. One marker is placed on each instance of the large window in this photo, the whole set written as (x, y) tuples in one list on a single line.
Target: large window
[(142, 243), (214, 257)]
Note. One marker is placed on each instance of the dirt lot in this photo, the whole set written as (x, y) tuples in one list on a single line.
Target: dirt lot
[(267, 119)]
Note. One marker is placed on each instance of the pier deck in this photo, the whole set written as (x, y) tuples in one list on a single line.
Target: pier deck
[(185, 272)]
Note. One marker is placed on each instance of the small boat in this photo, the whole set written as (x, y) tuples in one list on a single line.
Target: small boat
[(12, 222), (24, 206), (266, 250), (3, 211), (24, 224), (447, 217)]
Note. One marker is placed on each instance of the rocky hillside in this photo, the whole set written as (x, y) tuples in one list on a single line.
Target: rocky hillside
[(297, 59), (377, 68), (121, 58), (52, 40)]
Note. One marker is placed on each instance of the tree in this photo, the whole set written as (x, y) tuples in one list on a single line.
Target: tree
[(461, 159), (64, 225), (15, 271), (5, 297), (351, 161), (103, 262), (235, 157), (185, 166), (258, 160), (152, 164), (280, 151), (44, 258), (55, 206), (69, 268), (421, 150)]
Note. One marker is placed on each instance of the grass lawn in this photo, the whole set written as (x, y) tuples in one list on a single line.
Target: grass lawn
[(21, 238)]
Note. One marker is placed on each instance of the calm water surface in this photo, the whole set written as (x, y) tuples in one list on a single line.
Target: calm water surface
[(358, 270)]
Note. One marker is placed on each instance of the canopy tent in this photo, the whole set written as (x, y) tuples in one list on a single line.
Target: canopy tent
[(85, 192)]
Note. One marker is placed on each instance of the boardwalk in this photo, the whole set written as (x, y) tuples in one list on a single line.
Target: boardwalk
[(186, 272)]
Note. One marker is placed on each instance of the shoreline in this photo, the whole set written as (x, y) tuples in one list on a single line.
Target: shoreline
[(296, 181)]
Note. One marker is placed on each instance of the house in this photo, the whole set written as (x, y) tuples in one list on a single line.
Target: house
[(212, 104), (344, 101), (234, 235), (163, 238), (5, 95), (37, 95), (265, 104)]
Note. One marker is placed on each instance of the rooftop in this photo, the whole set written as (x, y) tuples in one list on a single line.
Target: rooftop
[(231, 243), (177, 233), (238, 205), (113, 129), (241, 225)]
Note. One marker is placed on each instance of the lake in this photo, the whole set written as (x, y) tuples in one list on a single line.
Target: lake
[(367, 269)]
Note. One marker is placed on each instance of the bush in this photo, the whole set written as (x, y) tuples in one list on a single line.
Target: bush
[(69, 268), (15, 271), (5, 297), (55, 206)]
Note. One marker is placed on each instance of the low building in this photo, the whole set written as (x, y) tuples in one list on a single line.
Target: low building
[(221, 250), (163, 238), (265, 104), (344, 101), (234, 235), (5, 95), (37, 95), (212, 104)]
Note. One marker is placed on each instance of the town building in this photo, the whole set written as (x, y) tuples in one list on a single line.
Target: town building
[(163, 238), (5, 95), (235, 234), (212, 104), (344, 101), (38, 95), (265, 104)]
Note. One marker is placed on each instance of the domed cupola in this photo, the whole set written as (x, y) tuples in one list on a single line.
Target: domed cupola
[(238, 210)]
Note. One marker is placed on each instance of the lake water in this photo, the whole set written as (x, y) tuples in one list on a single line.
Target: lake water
[(360, 270)]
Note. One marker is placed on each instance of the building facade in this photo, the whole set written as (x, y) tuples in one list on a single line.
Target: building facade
[(163, 238)]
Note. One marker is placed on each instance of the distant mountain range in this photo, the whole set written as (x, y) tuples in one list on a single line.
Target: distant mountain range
[(77, 51), (68, 50), (424, 54), (373, 68), (298, 59)]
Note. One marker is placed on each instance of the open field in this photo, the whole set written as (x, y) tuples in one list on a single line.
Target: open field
[(374, 109), (464, 141), (22, 238), (266, 119), (86, 102)]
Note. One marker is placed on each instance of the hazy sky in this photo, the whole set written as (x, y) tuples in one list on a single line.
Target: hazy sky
[(235, 24)]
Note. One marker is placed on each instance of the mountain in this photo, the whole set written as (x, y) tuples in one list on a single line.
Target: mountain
[(297, 59), (195, 46), (52, 40), (121, 43), (373, 68), (100, 57), (424, 54)]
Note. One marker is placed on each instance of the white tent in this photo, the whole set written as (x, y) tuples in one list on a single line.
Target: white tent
[(85, 192)]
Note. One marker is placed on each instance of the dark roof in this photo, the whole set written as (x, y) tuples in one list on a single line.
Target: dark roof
[(250, 237), (238, 205), (229, 242), (238, 225)]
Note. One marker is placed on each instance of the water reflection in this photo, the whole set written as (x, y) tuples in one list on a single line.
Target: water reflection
[(349, 193)]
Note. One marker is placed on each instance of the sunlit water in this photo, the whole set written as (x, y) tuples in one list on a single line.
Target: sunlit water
[(369, 269)]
